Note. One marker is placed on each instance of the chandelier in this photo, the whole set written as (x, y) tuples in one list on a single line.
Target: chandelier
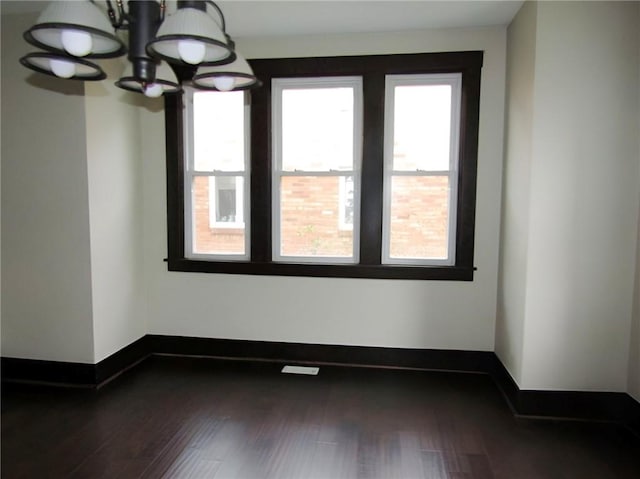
[(192, 39)]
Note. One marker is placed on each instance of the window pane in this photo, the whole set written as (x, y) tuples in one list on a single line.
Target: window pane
[(218, 136), (218, 227), (310, 218), (422, 127), (225, 196), (317, 129), (419, 217)]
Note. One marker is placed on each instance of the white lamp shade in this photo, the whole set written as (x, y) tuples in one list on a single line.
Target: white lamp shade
[(81, 16), (239, 70), (191, 25), (51, 63), (166, 81)]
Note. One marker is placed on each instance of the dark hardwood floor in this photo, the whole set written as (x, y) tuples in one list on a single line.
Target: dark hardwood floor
[(200, 418)]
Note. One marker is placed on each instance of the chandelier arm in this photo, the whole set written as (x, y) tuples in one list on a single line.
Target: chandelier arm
[(112, 14), (123, 13), (163, 9), (118, 18)]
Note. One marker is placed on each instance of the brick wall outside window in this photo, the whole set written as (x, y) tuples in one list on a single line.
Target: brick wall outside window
[(419, 217), (310, 219), (208, 239)]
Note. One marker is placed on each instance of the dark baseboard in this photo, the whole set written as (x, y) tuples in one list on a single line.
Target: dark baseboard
[(434, 359), (74, 374), (126, 358), (53, 372), (598, 406), (587, 405)]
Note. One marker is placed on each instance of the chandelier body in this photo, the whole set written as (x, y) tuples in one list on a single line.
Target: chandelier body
[(72, 32)]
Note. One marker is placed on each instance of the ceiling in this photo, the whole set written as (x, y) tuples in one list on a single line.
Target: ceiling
[(260, 18), (269, 18)]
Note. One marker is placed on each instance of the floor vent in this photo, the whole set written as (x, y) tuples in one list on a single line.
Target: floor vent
[(300, 370)]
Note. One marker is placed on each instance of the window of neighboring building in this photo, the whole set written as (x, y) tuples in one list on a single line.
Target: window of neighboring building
[(226, 202), (359, 167)]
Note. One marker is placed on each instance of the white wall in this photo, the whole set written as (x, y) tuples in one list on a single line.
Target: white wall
[(634, 337), (585, 172), (72, 204), (583, 198), (420, 314), (115, 209), (74, 287), (521, 36), (46, 278), (68, 321)]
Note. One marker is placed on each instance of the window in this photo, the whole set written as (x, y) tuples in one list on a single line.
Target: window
[(226, 202), (421, 166), (359, 167), (216, 146), (316, 135)]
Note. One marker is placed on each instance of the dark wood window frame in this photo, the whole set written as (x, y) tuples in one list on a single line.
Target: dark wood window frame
[(372, 69)]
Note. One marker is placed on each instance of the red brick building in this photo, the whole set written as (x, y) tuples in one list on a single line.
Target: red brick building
[(311, 223)]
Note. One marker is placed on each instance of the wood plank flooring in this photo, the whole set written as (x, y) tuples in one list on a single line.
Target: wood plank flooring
[(204, 418)]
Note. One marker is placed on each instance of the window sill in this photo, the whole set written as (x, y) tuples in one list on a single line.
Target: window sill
[(443, 273)]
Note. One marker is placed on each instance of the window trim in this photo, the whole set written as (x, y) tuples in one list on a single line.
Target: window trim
[(373, 69)]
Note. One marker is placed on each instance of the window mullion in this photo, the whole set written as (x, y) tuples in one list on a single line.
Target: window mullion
[(372, 169), (261, 171)]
